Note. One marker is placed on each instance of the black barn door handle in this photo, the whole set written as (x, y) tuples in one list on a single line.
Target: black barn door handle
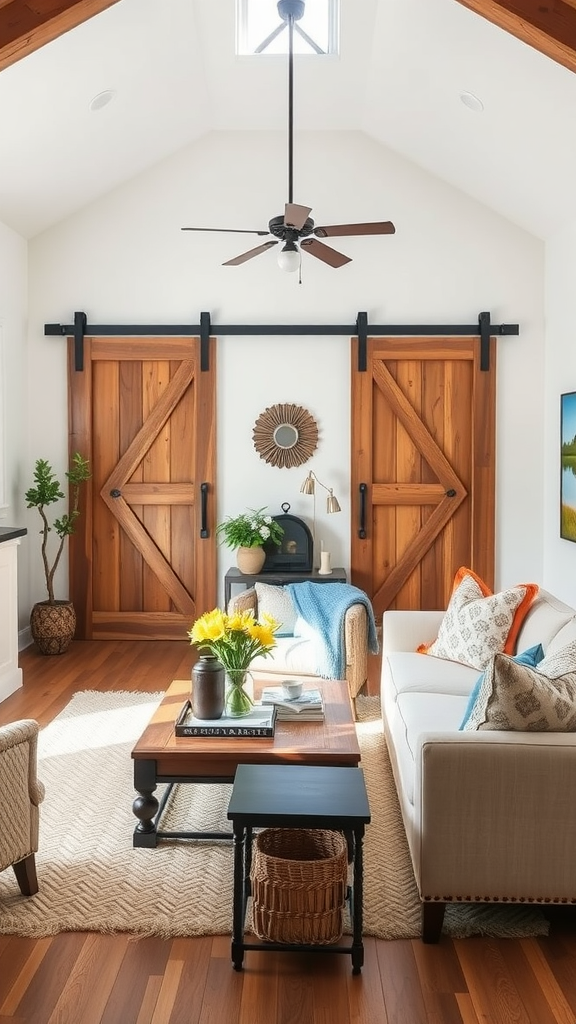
[(204, 532), (362, 529)]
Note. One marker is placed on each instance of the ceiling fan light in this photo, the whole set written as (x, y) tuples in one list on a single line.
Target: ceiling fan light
[(289, 258)]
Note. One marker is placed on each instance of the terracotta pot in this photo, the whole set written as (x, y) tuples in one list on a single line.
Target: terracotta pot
[(250, 560), (53, 626)]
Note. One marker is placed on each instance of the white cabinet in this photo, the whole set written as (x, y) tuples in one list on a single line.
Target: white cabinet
[(10, 673)]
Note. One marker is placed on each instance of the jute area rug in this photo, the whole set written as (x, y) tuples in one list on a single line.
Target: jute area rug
[(91, 877)]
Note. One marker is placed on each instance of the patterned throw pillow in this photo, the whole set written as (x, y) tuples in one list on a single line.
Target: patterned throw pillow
[(276, 601), (478, 624), (532, 657), (520, 698)]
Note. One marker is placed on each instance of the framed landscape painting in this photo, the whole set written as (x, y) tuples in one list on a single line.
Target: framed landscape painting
[(568, 466)]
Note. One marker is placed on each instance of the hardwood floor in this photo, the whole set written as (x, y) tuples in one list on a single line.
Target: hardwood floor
[(87, 978)]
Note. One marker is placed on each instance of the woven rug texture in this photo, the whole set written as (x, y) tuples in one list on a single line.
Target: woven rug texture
[(92, 879)]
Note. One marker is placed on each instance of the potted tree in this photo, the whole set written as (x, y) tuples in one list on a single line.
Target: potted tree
[(53, 622)]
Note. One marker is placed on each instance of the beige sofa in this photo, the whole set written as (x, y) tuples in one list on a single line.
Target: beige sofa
[(489, 815)]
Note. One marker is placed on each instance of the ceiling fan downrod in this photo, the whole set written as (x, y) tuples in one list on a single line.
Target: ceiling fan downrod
[(291, 11)]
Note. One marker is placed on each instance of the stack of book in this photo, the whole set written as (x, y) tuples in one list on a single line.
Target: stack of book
[(308, 707), (259, 722)]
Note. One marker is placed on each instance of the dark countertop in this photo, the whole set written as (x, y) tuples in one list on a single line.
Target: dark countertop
[(11, 532)]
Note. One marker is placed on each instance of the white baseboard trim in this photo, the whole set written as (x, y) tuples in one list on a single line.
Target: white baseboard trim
[(24, 638), (10, 682)]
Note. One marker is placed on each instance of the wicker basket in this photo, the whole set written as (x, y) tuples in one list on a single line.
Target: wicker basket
[(299, 884)]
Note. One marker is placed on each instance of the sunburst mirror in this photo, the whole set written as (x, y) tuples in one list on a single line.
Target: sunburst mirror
[(285, 435)]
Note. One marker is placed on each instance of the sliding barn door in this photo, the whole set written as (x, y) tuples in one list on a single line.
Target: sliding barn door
[(423, 468), (143, 560)]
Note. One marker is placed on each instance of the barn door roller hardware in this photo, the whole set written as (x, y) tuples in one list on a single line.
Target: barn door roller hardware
[(205, 329)]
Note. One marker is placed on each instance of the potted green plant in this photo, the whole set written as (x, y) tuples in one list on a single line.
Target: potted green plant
[(247, 533), (53, 622)]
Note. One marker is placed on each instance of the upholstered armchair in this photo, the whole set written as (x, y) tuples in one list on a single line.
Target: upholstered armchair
[(20, 796), (296, 654)]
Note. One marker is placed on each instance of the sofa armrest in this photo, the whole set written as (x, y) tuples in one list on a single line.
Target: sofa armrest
[(20, 794), (356, 647), (19, 755), (245, 601), (495, 811), (406, 630)]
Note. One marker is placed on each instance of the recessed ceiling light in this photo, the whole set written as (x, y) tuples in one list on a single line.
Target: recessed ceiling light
[(472, 102), (102, 99)]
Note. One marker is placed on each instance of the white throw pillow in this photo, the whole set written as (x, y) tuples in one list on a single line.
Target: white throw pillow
[(276, 601)]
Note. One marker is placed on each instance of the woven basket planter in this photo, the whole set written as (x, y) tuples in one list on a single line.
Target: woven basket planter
[(53, 626), (299, 885)]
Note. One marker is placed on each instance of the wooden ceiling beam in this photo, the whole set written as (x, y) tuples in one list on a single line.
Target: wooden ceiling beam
[(549, 27), (26, 25)]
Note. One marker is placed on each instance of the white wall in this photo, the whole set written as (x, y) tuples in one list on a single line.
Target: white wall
[(13, 395), (124, 260), (559, 555)]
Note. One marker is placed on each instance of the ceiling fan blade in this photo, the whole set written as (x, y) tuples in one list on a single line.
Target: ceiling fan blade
[(296, 216), (324, 252), (236, 231), (381, 227), (248, 255)]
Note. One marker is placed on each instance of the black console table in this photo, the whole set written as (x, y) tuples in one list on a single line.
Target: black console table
[(279, 579), (297, 796)]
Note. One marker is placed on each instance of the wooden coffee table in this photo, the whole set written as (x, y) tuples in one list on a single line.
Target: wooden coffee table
[(160, 756)]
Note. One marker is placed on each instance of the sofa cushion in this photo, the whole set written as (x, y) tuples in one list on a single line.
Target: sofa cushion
[(477, 623), (292, 655), (407, 671), (276, 601), (532, 657), (566, 635), (415, 714), (545, 618), (517, 697)]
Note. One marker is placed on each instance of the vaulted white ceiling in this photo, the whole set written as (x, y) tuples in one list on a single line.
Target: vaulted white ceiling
[(402, 69)]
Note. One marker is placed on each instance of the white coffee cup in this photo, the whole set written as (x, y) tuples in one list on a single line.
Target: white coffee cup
[(291, 689)]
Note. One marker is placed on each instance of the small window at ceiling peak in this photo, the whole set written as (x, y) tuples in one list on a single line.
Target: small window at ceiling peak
[(261, 29)]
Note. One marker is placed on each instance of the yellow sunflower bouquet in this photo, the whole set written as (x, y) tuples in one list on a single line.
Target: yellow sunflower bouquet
[(235, 640)]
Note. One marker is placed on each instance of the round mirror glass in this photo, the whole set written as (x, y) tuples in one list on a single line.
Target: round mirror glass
[(285, 435)]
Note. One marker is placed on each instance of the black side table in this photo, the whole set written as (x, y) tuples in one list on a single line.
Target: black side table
[(279, 579), (297, 796)]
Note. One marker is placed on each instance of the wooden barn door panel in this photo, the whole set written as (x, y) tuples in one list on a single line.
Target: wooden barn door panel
[(145, 414), (423, 446)]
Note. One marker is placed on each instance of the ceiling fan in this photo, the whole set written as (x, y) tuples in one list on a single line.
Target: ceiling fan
[(295, 226)]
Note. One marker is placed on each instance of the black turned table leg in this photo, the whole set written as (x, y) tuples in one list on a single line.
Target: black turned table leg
[(145, 806), (357, 950), (239, 903)]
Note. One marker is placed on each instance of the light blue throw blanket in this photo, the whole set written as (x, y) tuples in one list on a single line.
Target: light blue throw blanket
[(321, 608)]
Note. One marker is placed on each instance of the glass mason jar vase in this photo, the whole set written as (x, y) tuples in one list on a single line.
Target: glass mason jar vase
[(239, 692)]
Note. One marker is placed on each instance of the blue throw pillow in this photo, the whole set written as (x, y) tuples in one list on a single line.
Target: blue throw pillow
[(532, 657)]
